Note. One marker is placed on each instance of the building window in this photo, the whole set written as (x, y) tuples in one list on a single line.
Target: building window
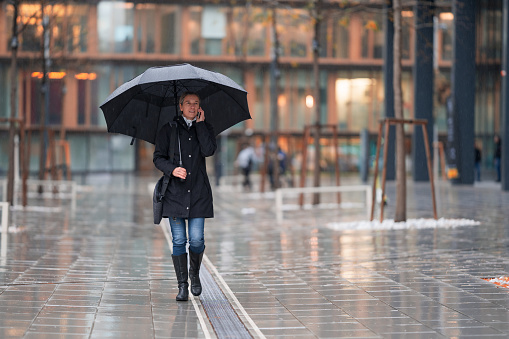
[(340, 38), (115, 26), (248, 31), (31, 36), (257, 32), (56, 89), (81, 103), (54, 104), (372, 38), (170, 29), (86, 98), (489, 25), (407, 21), (207, 29), (295, 30), (213, 29), (445, 23), (359, 99), (145, 30), (5, 93), (77, 31), (260, 107)]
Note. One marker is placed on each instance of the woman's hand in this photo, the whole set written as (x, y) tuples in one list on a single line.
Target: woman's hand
[(201, 115), (179, 172)]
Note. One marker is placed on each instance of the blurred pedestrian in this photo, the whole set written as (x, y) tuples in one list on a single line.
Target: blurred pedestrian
[(478, 159), (497, 156), (281, 161), (245, 161), (190, 194)]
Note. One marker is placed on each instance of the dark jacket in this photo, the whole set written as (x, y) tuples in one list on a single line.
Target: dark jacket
[(191, 198)]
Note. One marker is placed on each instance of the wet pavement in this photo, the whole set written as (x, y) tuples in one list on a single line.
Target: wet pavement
[(104, 271)]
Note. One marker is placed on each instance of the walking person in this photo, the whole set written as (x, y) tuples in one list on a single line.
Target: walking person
[(189, 195), (478, 158), (281, 162), (245, 161), (497, 156)]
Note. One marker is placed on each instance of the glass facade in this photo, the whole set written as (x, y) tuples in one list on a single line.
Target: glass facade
[(115, 26), (97, 46), (248, 31), (4, 94), (77, 31), (295, 32), (359, 99)]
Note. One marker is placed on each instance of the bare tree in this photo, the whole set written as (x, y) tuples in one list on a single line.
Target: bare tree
[(44, 88), (315, 10), (398, 113)]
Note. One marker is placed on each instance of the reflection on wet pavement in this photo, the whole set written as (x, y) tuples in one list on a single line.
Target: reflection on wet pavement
[(105, 271)]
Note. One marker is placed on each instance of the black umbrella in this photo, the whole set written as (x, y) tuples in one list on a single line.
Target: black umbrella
[(141, 106)]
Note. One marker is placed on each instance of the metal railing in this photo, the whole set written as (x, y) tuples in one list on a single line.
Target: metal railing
[(328, 189), (4, 207), (53, 188)]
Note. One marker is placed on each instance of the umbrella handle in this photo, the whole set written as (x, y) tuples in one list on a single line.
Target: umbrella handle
[(134, 137)]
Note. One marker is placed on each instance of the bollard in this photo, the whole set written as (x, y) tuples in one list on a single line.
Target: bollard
[(4, 207)]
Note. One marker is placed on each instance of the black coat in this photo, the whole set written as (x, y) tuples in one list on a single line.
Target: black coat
[(191, 198)]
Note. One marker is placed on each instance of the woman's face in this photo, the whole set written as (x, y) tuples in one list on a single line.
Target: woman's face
[(189, 106)]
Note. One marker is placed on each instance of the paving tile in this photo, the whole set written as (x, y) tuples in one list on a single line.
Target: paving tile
[(108, 271)]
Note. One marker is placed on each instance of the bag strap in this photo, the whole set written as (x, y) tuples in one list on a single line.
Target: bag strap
[(173, 139)]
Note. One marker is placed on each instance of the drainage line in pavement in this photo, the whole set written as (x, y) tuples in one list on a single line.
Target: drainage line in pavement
[(223, 318)]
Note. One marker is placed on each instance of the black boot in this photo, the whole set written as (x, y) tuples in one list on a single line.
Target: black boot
[(194, 272), (180, 265)]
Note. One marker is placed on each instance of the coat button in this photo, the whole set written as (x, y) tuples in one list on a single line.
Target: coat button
[(189, 138), (188, 191), (187, 208), (189, 155)]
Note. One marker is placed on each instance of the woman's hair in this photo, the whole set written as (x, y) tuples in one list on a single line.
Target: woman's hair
[(185, 94)]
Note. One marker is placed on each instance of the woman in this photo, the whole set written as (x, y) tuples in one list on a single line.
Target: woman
[(189, 195)]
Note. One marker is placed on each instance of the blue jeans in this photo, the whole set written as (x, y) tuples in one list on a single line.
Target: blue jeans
[(196, 235)]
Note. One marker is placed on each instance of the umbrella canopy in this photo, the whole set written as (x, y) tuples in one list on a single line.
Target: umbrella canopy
[(141, 106)]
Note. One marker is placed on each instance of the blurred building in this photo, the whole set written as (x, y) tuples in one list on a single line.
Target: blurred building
[(97, 45)]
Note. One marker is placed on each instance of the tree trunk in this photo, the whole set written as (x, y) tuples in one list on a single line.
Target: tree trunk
[(44, 94), (398, 113), (274, 93), (316, 75)]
